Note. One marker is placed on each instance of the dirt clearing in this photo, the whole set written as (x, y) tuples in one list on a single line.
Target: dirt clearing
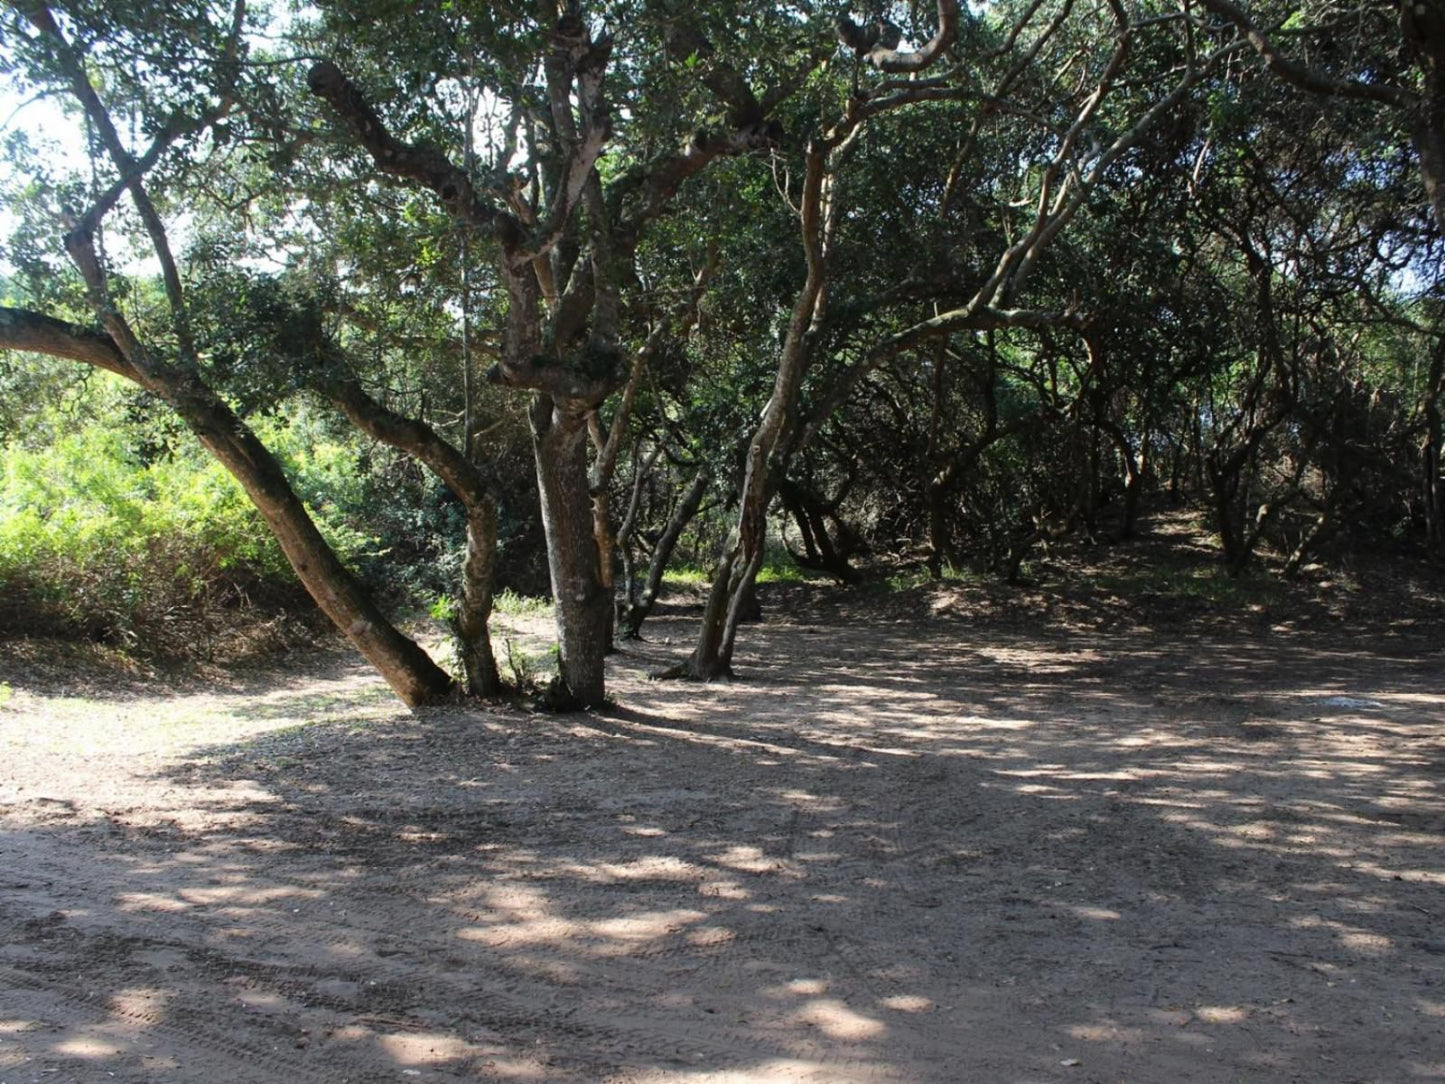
[(911, 847)]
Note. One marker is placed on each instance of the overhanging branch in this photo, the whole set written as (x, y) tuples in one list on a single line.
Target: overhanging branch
[(419, 162), (1301, 76), (21, 329), (878, 45)]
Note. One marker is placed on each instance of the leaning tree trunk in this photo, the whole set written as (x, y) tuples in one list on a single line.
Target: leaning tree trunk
[(416, 679), (742, 557), (408, 669), (818, 212), (639, 608), (737, 569), (466, 480), (584, 612), (733, 581), (793, 506), (404, 665)]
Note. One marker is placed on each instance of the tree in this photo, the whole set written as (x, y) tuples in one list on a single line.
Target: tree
[(1056, 251), (177, 380), (565, 251), (1073, 143)]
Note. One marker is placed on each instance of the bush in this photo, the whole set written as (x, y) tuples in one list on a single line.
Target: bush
[(167, 556), (115, 526)]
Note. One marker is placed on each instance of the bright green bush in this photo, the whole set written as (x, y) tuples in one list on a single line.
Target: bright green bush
[(161, 552)]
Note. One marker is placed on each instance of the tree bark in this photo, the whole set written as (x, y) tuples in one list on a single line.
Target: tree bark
[(940, 541), (811, 515), (475, 642), (417, 439), (1432, 485), (640, 608), (1229, 515), (416, 679), (1133, 474), (584, 612)]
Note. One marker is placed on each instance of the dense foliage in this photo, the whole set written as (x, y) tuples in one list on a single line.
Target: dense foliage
[(916, 280)]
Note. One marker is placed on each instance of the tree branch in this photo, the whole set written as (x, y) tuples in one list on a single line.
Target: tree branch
[(337, 384), (1306, 78), (21, 329), (415, 162), (888, 58), (84, 91)]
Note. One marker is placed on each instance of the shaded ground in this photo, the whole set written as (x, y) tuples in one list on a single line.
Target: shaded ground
[(919, 843)]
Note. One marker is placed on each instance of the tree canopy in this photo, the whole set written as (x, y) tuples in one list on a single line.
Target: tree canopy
[(915, 279)]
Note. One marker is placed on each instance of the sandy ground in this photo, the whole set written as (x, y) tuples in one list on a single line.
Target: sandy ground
[(910, 846)]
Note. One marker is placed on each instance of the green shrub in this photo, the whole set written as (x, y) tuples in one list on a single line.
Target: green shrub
[(163, 554)]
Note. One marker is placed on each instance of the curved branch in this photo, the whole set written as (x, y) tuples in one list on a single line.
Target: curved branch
[(565, 383), (1306, 78), (889, 59), (414, 162), (21, 329), (72, 65), (409, 435)]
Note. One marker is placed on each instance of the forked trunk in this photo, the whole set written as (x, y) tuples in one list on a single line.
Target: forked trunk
[(727, 605), (638, 609)]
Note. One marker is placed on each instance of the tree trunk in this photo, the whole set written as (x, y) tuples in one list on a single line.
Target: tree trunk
[(811, 516), (1428, 125), (1432, 486), (940, 546), (742, 556), (465, 479), (1133, 476), (605, 541), (1229, 517), (416, 679), (478, 662), (794, 508), (737, 569), (404, 665), (727, 603), (1087, 441), (1309, 538), (638, 609), (1019, 547), (584, 612), (829, 559)]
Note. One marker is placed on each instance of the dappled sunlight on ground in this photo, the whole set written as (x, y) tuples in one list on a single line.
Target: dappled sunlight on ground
[(896, 851)]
